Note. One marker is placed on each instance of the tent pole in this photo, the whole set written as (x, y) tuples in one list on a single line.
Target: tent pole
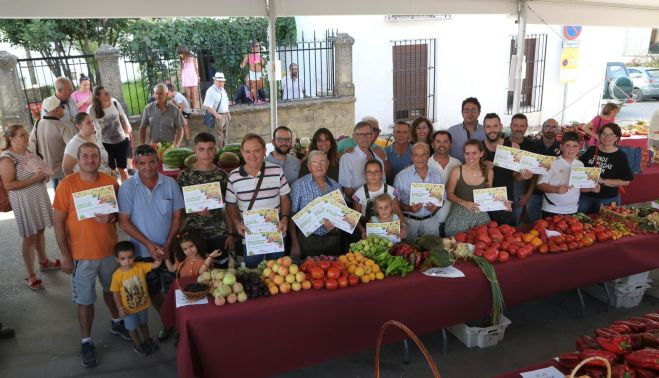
[(521, 44), (272, 48)]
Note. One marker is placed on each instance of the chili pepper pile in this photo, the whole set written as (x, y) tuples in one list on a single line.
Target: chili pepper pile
[(630, 346), (409, 253)]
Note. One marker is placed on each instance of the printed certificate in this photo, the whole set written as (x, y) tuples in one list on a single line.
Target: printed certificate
[(342, 217), (388, 230), (584, 177), (100, 200), (263, 220), (491, 199), (427, 193), (335, 196), (260, 243), (202, 196), (310, 217), (536, 163), (508, 157)]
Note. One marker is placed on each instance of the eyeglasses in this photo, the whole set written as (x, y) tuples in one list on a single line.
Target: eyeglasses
[(319, 163), (283, 140), (361, 135), (470, 110), (605, 135), (376, 131)]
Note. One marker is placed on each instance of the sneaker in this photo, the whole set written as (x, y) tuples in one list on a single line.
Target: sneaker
[(151, 345), (141, 350), (87, 355), (119, 329), (164, 334)]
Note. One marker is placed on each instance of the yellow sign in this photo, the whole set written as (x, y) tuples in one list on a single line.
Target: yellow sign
[(569, 59)]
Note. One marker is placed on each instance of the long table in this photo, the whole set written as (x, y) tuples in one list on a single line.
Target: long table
[(643, 187), (266, 336)]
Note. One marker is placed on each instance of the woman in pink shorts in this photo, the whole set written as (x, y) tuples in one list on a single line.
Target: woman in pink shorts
[(189, 75), (256, 62)]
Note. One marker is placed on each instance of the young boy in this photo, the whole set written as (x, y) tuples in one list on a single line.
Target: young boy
[(132, 297), (559, 198)]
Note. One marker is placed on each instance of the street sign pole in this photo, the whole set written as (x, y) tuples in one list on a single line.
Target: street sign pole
[(521, 43)]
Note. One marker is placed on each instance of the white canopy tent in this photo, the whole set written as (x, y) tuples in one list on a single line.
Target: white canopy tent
[(636, 13)]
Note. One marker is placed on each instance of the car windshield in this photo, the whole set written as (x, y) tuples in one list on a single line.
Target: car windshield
[(653, 73), (616, 71)]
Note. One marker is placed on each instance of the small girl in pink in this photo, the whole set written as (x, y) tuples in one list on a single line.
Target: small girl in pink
[(83, 96), (609, 112), (189, 75)]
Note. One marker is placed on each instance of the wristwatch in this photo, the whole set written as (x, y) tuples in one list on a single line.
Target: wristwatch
[(283, 216)]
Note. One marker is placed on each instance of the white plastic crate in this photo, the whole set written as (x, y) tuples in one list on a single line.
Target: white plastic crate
[(621, 295), (480, 337), (654, 275), (634, 279), (653, 290)]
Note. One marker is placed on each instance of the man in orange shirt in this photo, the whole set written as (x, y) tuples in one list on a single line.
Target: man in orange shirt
[(87, 247)]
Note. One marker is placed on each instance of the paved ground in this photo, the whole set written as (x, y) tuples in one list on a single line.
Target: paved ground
[(47, 341), (638, 111)]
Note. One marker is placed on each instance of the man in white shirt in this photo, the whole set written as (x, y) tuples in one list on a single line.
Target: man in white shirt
[(63, 91), (351, 165), (217, 103), (292, 88), (444, 163)]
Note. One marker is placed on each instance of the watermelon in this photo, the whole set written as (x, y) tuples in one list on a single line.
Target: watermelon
[(175, 157)]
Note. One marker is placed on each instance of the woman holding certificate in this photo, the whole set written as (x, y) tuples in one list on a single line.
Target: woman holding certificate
[(614, 169), (211, 224), (475, 173)]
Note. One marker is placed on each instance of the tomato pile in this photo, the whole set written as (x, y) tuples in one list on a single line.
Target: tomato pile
[(630, 346), (332, 273)]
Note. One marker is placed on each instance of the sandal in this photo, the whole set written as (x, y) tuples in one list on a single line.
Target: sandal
[(34, 283), (50, 265)]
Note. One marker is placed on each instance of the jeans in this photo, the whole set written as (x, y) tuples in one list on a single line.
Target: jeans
[(591, 205), (533, 207)]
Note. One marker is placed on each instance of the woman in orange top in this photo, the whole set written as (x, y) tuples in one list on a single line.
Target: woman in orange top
[(191, 250)]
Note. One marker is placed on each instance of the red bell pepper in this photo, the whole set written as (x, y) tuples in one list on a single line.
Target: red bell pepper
[(644, 373), (620, 328), (650, 340), (604, 332), (622, 371), (569, 360), (644, 358), (616, 344), (634, 326), (609, 356), (586, 342)]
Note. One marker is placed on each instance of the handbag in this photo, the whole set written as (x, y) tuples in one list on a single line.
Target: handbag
[(209, 118)]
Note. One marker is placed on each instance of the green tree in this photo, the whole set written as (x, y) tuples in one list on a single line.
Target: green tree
[(53, 39)]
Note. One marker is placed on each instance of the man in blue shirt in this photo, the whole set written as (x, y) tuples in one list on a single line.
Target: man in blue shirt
[(468, 129), (399, 153), (151, 210), (420, 218)]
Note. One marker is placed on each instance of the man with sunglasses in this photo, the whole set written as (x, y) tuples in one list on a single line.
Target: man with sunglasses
[(282, 140)]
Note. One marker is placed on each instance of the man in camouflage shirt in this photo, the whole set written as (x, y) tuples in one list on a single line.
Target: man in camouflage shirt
[(211, 224)]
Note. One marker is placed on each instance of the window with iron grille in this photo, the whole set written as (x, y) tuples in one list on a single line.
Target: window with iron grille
[(414, 79), (535, 52)]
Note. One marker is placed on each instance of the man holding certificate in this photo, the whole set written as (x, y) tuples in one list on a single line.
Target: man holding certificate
[(326, 239), (421, 194), (87, 244)]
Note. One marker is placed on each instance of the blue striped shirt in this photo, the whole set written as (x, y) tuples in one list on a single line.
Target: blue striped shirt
[(306, 190)]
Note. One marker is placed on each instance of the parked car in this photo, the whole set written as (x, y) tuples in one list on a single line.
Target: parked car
[(618, 86), (646, 82)]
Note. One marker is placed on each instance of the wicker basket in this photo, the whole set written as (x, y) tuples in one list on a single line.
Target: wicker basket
[(191, 295), (413, 337), (582, 363)]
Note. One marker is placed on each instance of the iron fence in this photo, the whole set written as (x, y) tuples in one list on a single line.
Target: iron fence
[(414, 81), (38, 77), (143, 69)]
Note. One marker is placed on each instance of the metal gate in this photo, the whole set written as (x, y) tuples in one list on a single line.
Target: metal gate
[(414, 79), (38, 77)]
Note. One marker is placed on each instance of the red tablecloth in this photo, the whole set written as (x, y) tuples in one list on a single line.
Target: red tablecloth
[(272, 335), (644, 187), (635, 141), (545, 364)]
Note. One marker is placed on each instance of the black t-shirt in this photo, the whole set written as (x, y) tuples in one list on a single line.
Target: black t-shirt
[(613, 165), (502, 176), (540, 148), (527, 145)]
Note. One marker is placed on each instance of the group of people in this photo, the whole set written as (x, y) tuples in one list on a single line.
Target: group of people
[(163, 239)]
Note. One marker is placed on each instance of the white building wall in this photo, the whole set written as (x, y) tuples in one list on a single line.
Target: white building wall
[(472, 60)]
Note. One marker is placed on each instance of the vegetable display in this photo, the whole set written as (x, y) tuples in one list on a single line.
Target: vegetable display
[(175, 157), (377, 248)]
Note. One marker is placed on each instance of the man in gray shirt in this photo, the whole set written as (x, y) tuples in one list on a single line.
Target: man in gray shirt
[(468, 129), (282, 140), (163, 119)]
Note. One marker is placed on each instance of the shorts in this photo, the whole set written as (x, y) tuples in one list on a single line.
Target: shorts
[(255, 75), (185, 115), (118, 154), (158, 280), (134, 321), (84, 276)]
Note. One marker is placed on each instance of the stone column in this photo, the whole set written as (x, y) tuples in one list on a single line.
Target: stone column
[(107, 60), (13, 106), (344, 87)]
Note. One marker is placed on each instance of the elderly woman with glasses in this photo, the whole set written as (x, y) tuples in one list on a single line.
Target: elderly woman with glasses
[(615, 172), (326, 239)]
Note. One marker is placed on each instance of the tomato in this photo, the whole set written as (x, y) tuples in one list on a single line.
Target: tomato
[(578, 236), (317, 273), (479, 252), (587, 241), (541, 223), (504, 245), (522, 254), (338, 266), (558, 239), (460, 237), (318, 284), (572, 246), (553, 248), (480, 245), (601, 236), (569, 238), (579, 244), (353, 280), (480, 229), (491, 255), (576, 227), (492, 224), (562, 226), (331, 284), (342, 281), (496, 235), (543, 249), (503, 257), (324, 265), (563, 247), (513, 250), (333, 273), (556, 218)]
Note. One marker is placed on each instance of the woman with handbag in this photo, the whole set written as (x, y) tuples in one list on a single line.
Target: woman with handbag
[(592, 128), (24, 179)]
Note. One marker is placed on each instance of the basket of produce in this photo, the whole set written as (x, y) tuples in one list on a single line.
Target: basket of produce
[(591, 361), (615, 212), (412, 336), (192, 291)]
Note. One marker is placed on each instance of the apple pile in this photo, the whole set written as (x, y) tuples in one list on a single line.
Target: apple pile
[(327, 273), (282, 276), (226, 289)]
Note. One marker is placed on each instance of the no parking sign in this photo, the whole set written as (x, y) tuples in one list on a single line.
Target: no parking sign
[(571, 32), (569, 54)]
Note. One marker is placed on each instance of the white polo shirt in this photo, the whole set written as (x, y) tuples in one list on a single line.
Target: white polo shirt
[(559, 174), (351, 168), (445, 173)]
